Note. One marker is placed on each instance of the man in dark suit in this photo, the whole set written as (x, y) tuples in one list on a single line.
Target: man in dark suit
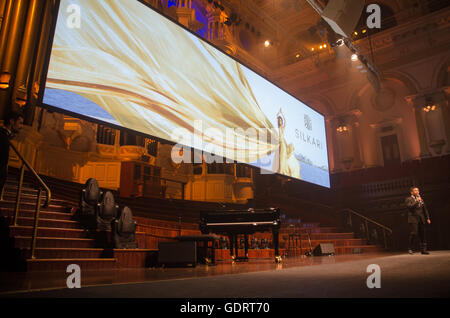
[(418, 217), (13, 123)]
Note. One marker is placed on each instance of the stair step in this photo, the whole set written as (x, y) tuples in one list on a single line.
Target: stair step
[(27, 213), (25, 242), (322, 236), (48, 232), (53, 223), (312, 230), (62, 264), (31, 198), (32, 206), (65, 253)]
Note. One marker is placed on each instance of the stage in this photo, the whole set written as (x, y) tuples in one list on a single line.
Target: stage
[(402, 275)]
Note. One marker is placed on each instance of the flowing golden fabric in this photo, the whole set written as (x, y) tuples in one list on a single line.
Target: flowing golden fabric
[(153, 78)]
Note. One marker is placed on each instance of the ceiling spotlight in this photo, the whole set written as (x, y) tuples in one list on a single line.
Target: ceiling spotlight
[(325, 46), (267, 43), (354, 57), (298, 55), (320, 47), (355, 33), (363, 31), (312, 49)]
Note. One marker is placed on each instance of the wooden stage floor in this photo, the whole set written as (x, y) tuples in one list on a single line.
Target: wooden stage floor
[(325, 276)]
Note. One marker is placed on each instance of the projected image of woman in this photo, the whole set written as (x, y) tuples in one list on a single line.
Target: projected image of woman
[(285, 158)]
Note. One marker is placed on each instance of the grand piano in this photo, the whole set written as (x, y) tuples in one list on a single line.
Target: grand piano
[(242, 222)]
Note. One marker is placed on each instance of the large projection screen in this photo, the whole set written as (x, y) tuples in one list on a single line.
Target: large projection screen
[(120, 62)]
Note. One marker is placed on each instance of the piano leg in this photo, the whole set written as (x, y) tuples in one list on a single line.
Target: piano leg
[(246, 245), (275, 235), (231, 238), (236, 246)]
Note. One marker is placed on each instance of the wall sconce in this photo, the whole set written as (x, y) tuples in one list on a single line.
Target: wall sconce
[(429, 106), (342, 128), (5, 78)]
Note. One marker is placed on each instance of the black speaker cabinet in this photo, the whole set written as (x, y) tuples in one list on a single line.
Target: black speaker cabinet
[(177, 254), (324, 249)]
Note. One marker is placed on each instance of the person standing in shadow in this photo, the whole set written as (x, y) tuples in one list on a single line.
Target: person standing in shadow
[(13, 123)]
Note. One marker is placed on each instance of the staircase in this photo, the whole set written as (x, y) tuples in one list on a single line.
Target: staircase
[(61, 240)]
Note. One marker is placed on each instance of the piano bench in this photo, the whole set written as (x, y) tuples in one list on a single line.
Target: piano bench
[(205, 238)]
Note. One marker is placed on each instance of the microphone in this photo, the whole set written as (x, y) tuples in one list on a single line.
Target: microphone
[(419, 200)]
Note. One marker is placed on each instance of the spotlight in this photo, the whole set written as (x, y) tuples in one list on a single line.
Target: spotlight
[(267, 43), (320, 47), (355, 33), (364, 31), (354, 57), (312, 49), (324, 46), (297, 55)]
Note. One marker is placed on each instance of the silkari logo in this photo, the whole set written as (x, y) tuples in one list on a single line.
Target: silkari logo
[(308, 122)]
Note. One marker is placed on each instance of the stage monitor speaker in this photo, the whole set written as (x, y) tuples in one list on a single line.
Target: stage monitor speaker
[(324, 249), (177, 254), (343, 15)]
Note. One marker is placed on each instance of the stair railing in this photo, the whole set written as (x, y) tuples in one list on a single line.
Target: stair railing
[(369, 220), (42, 185)]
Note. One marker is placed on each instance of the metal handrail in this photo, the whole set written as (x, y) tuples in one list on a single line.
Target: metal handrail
[(38, 203), (366, 219)]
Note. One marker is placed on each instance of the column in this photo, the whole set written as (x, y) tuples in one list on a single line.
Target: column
[(41, 55), (355, 132), (25, 68), (441, 99), (12, 40), (344, 142), (418, 104)]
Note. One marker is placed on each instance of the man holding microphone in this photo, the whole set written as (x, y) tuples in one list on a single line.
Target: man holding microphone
[(418, 217)]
